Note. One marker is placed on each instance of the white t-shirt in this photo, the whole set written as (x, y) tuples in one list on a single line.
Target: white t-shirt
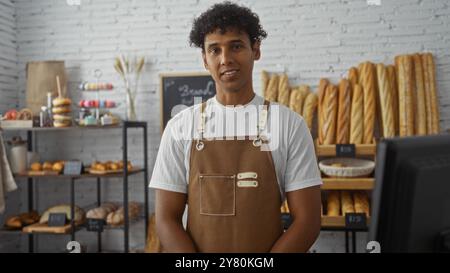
[(289, 138)]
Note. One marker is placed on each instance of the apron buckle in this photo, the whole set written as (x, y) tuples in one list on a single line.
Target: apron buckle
[(199, 145), (257, 142)]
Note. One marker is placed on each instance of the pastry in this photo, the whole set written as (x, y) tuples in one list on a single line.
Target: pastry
[(309, 109), (386, 104), (404, 67), (58, 167), (47, 166), (333, 204), (36, 166), (420, 112), (13, 222), (117, 217), (323, 83), (347, 203), (29, 218), (61, 124), (329, 115), (61, 102), (61, 110), (393, 83), (343, 117), (283, 90)]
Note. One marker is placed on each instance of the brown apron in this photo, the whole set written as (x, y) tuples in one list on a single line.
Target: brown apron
[(233, 195)]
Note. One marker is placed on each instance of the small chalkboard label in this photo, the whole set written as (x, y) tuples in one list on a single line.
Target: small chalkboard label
[(95, 224), (57, 219), (345, 150), (355, 221), (74, 167)]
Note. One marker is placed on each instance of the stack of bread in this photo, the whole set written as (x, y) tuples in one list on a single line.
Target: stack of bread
[(62, 112), (299, 99), (341, 202)]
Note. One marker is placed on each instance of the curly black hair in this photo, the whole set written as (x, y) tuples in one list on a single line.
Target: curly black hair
[(224, 16)]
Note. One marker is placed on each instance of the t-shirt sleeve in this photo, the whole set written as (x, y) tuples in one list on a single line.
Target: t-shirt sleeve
[(169, 172), (301, 168)]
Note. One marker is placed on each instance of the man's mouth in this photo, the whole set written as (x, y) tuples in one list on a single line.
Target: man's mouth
[(230, 72)]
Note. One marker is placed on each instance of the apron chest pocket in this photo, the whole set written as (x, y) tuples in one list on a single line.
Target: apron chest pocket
[(217, 195)]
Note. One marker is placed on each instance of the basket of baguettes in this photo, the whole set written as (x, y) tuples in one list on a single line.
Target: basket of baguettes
[(398, 100)]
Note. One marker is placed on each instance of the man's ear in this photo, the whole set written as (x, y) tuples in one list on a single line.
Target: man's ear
[(257, 50), (205, 63)]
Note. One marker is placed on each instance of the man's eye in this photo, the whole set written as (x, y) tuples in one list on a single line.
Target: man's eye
[(237, 46), (214, 51)]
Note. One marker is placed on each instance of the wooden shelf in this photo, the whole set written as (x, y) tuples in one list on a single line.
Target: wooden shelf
[(366, 183), (336, 221), (84, 175), (361, 149)]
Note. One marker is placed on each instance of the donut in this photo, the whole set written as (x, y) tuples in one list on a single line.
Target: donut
[(61, 110), (61, 101), (65, 123), (62, 117)]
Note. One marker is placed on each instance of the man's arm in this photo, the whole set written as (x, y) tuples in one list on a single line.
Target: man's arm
[(169, 208), (304, 206)]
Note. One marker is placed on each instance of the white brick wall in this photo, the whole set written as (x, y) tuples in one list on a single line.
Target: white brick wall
[(307, 39)]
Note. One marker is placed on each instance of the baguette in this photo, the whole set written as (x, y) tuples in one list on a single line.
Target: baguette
[(356, 119), (353, 76), (431, 92), (297, 98), (385, 98), (309, 109), (283, 90), (347, 203), (265, 78), (344, 108), (420, 113), (367, 79), (323, 83), (272, 88), (333, 204), (330, 115), (393, 83), (404, 66), (361, 203)]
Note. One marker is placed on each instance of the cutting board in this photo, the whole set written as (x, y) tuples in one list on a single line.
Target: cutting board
[(44, 228)]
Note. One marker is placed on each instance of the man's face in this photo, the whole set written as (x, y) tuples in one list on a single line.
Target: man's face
[(229, 57)]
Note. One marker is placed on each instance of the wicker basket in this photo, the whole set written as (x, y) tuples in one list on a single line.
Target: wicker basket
[(352, 167)]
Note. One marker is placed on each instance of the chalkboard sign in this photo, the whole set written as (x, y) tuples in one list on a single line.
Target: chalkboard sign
[(179, 91), (74, 167), (355, 221), (57, 219), (95, 224), (345, 150)]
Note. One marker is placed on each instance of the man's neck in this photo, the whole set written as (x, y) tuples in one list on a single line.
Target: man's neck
[(235, 98)]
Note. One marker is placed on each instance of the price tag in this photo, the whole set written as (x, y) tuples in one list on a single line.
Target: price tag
[(73, 167), (345, 150), (355, 221), (95, 224), (57, 219)]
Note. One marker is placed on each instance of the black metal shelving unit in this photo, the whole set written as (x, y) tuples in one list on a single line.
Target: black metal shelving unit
[(125, 126)]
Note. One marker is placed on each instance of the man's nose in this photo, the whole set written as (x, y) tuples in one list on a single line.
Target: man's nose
[(226, 57)]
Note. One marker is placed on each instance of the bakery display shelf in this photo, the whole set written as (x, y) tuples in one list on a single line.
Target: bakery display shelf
[(84, 175), (360, 149), (363, 183), (41, 229), (336, 221)]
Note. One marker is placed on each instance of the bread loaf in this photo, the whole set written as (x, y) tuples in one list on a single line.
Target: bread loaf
[(344, 108), (117, 218), (405, 70), (102, 211), (353, 76), (393, 84), (297, 98), (333, 204), (361, 203), (420, 112), (347, 203), (386, 105), (367, 79), (283, 90), (13, 222), (323, 83), (272, 89), (310, 107), (265, 78), (79, 213), (357, 114), (431, 92), (330, 115)]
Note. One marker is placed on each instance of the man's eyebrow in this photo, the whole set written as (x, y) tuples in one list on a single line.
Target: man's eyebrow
[(229, 42)]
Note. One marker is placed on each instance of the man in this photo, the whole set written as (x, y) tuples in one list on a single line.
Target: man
[(233, 187)]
